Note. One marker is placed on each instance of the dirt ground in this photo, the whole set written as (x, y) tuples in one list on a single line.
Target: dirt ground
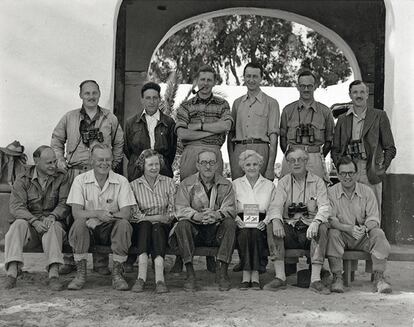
[(33, 304)]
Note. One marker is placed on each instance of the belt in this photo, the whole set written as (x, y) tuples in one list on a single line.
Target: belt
[(307, 148), (251, 141)]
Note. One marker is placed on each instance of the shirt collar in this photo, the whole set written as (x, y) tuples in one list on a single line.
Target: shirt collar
[(351, 111), (310, 178), (156, 115), (302, 105), (84, 114), (260, 180), (212, 99), (216, 181), (341, 192), (258, 97), (143, 180), (90, 177)]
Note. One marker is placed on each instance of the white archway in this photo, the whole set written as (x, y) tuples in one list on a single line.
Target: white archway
[(321, 29)]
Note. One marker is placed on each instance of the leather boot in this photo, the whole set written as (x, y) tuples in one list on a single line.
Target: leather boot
[(80, 279), (118, 281), (224, 280), (380, 285), (337, 283)]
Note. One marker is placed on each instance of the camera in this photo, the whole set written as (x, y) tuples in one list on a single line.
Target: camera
[(355, 149), (298, 208), (305, 130), (92, 134)]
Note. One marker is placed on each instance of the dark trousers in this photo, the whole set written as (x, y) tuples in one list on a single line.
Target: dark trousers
[(252, 245), (188, 235), (150, 238)]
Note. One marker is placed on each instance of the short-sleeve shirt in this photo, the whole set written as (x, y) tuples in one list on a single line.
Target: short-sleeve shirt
[(115, 195), (357, 210), (317, 114), (197, 110), (262, 193), (256, 118)]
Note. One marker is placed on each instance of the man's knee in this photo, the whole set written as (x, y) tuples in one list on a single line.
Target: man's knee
[(323, 229), (18, 226), (183, 226), (229, 224), (123, 225), (334, 234), (377, 233)]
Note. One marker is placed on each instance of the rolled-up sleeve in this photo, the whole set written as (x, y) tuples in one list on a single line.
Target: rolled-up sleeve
[(76, 193), (126, 196), (323, 202), (371, 209), (274, 117)]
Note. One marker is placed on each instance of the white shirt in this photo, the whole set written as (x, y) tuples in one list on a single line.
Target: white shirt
[(262, 193), (152, 123)]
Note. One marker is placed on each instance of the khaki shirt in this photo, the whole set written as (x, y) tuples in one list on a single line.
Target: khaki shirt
[(255, 118), (357, 210), (322, 122)]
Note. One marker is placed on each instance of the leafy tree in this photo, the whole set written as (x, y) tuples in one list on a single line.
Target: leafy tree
[(229, 42)]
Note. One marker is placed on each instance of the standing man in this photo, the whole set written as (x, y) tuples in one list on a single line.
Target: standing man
[(202, 123), (39, 212), (301, 214), (77, 132), (101, 203), (355, 225), (365, 134), (307, 124), (150, 130), (256, 124), (205, 209)]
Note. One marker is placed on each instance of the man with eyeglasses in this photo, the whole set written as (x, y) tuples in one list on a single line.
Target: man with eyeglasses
[(256, 124), (73, 137), (307, 124), (364, 133), (301, 214), (205, 209), (355, 225), (101, 203)]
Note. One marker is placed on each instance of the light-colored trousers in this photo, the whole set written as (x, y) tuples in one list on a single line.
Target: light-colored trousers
[(21, 234)]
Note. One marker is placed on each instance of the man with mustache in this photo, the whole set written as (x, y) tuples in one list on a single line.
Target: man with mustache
[(364, 134), (256, 124), (76, 133), (101, 203), (38, 211), (307, 124)]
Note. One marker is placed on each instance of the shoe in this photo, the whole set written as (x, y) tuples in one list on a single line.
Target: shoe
[(104, 271), (244, 286), (190, 284), (211, 264), (55, 284), (256, 286), (128, 268), (138, 286), (224, 284), (237, 267), (10, 282), (275, 285), (66, 269), (178, 265), (325, 277), (318, 287), (380, 285), (337, 284), (161, 288), (118, 281), (80, 279)]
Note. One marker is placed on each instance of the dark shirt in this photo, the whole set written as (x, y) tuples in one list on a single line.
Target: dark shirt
[(30, 202), (137, 139)]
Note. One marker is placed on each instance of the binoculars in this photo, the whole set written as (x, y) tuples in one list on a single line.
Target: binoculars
[(305, 130), (92, 134), (355, 149), (297, 208)]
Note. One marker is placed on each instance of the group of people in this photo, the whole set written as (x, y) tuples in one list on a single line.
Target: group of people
[(74, 192)]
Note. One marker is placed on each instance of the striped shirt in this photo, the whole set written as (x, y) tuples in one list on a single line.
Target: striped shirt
[(196, 110), (158, 200)]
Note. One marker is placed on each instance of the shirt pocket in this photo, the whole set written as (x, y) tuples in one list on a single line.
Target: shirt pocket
[(319, 130)]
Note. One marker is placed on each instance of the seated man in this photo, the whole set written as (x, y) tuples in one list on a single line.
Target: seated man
[(205, 210), (39, 211), (355, 225), (101, 203), (301, 211)]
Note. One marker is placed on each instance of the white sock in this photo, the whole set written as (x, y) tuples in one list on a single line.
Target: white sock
[(53, 270), (255, 276), (159, 268), (143, 266), (316, 272), (247, 275), (12, 269), (280, 269)]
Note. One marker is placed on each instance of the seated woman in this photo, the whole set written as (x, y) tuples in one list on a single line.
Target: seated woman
[(151, 218), (254, 197)]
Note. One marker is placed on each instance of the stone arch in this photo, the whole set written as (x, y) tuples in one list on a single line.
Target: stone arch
[(275, 13)]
